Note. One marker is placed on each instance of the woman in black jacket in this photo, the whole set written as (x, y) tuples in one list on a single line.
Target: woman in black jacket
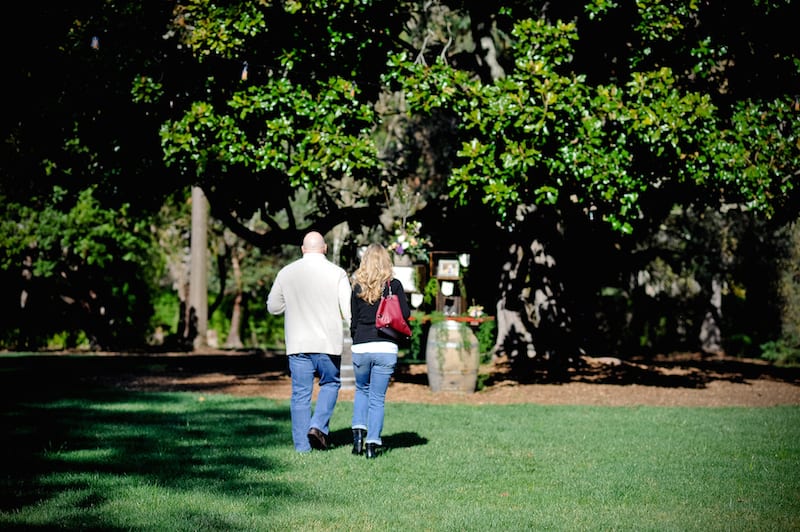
[(374, 353)]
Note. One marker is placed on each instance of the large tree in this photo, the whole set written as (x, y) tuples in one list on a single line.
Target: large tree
[(575, 123), (609, 116)]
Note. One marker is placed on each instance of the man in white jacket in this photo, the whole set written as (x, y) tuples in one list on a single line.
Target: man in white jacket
[(314, 296)]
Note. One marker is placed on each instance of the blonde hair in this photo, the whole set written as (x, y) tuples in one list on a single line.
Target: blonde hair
[(374, 271)]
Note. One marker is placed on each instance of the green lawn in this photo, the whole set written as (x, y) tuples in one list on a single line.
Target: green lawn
[(96, 458)]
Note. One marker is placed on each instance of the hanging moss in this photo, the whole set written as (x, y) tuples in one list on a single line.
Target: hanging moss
[(431, 290)]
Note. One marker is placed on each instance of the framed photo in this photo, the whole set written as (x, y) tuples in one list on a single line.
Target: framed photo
[(447, 269)]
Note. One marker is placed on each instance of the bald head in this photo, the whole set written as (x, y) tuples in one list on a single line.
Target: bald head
[(314, 243)]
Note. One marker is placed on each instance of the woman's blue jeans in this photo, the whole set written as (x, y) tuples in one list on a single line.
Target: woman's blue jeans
[(372, 372), (303, 368)]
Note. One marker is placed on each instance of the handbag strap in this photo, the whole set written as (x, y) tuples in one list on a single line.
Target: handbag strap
[(389, 287)]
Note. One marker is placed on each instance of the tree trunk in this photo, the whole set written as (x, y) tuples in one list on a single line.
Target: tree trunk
[(339, 235), (710, 333), (198, 278), (789, 287), (234, 340), (486, 56), (534, 324)]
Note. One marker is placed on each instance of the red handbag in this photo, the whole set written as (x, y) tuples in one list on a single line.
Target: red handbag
[(389, 318)]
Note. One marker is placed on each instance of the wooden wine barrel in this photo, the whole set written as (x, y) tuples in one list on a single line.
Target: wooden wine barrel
[(452, 356)]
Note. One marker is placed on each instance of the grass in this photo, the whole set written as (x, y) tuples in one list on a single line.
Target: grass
[(97, 458)]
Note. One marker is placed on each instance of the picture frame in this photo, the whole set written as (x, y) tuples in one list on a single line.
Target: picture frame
[(447, 269)]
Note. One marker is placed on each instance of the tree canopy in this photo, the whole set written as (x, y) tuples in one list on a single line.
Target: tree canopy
[(669, 114), (598, 107)]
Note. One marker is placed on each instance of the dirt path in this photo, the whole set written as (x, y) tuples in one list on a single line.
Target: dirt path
[(677, 380)]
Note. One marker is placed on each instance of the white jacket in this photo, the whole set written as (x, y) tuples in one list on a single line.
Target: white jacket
[(314, 295)]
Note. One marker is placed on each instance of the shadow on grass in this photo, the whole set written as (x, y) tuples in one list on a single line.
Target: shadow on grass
[(67, 425), (137, 371), (398, 440), (344, 438), (403, 439)]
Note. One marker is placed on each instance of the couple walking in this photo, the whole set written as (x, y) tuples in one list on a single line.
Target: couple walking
[(317, 300)]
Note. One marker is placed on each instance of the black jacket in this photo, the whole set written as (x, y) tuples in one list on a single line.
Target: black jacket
[(362, 324)]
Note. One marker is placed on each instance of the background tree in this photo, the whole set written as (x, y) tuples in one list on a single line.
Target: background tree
[(76, 243)]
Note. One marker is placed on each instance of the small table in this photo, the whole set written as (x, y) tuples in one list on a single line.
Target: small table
[(469, 320)]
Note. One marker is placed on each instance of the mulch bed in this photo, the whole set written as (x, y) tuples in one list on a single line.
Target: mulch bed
[(683, 379)]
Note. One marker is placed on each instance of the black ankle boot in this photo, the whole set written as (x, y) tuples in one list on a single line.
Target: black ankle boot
[(372, 450), (358, 440)]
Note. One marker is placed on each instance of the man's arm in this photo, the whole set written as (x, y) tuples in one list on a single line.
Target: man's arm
[(275, 301), (345, 292)]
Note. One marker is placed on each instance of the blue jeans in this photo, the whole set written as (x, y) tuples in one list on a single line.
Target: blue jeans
[(372, 372), (303, 368)]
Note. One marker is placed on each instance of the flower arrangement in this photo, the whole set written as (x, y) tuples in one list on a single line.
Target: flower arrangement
[(407, 240), (475, 311)]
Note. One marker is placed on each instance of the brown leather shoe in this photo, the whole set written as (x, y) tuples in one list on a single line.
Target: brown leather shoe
[(317, 439)]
